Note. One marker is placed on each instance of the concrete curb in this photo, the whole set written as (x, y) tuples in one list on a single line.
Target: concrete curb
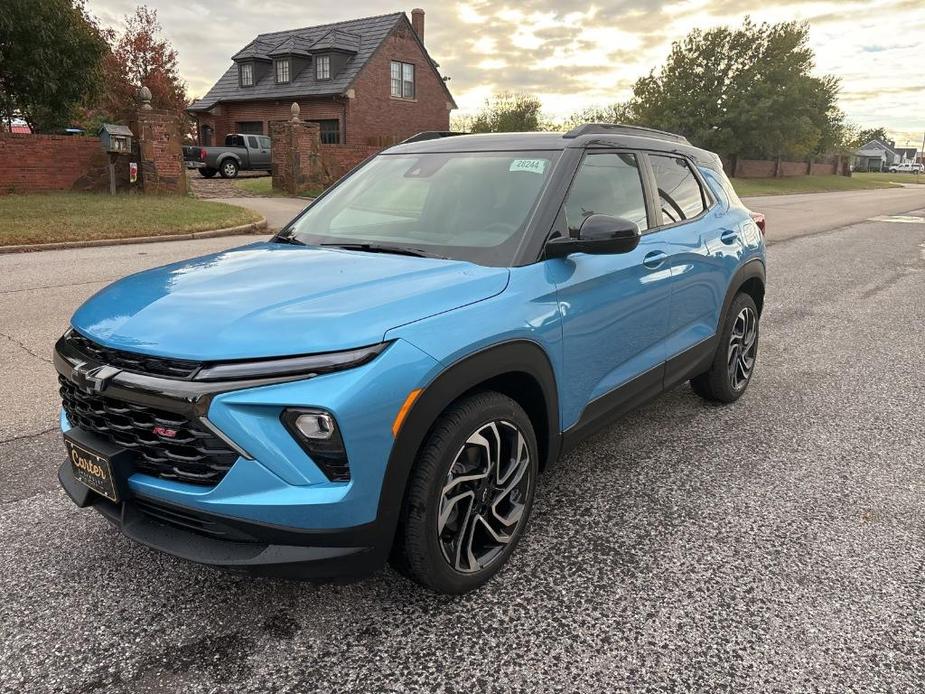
[(258, 227)]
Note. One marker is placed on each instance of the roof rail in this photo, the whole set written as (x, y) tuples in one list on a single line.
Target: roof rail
[(430, 135), (620, 129)]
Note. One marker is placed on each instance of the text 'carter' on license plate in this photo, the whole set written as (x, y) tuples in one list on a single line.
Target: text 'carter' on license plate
[(92, 469)]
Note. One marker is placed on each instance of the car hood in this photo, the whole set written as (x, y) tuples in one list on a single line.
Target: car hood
[(271, 299)]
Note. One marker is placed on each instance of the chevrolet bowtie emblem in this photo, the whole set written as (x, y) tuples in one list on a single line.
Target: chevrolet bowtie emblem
[(92, 380)]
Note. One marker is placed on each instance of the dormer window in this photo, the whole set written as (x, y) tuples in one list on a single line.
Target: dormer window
[(246, 74), (282, 70), (323, 67)]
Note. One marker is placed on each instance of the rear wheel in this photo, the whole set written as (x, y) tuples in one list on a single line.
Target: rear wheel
[(228, 168), (734, 362), (470, 494), (207, 172)]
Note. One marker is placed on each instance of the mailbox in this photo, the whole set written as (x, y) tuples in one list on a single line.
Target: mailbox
[(116, 139)]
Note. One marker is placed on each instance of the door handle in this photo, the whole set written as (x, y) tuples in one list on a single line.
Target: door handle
[(654, 259), (729, 237)]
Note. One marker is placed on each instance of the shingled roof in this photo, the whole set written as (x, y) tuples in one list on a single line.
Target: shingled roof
[(359, 38)]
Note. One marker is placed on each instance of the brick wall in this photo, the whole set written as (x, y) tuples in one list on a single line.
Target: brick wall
[(373, 113), (226, 116), (767, 168), (44, 163), (339, 159)]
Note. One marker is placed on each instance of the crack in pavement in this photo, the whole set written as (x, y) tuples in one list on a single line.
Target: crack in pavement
[(25, 349), (22, 437), (58, 286)]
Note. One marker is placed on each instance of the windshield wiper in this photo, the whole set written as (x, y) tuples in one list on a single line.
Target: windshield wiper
[(381, 248), (288, 239)]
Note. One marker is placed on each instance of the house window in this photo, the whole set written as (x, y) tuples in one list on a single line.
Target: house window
[(402, 80), (323, 67), (282, 71), (246, 74), (330, 131)]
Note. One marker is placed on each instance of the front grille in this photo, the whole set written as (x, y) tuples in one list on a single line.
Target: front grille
[(193, 454), (131, 361)]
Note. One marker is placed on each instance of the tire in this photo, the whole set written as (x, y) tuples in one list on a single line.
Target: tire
[(738, 345), (453, 473), (207, 172), (228, 168)]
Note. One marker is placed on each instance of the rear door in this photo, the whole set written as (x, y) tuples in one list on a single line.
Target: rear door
[(702, 248), (614, 307)]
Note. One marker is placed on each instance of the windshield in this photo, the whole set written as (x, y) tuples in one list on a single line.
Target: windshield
[(466, 206)]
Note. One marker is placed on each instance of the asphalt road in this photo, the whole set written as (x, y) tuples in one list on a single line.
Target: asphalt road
[(775, 544)]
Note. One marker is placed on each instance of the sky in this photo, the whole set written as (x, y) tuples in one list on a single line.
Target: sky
[(574, 53)]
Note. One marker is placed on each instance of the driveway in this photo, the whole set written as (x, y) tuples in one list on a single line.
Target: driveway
[(775, 544), (278, 211)]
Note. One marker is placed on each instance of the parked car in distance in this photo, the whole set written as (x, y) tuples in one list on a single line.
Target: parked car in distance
[(387, 377), (907, 167), (241, 152)]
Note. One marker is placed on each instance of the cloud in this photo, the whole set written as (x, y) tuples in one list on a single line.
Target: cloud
[(573, 53)]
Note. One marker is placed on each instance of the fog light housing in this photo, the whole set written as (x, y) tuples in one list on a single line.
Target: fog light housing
[(316, 432)]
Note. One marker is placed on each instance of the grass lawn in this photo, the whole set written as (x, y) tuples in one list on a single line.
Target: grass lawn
[(51, 217), (891, 177), (814, 184), (264, 186)]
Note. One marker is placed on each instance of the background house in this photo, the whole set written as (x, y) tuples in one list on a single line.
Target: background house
[(880, 155), (365, 81)]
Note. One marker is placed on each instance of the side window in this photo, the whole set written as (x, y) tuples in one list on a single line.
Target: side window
[(252, 142), (265, 142), (679, 193), (607, 183)]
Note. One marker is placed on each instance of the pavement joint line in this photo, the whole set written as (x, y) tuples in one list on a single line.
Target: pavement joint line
[(25, 349), (58, 286), (22, 437)]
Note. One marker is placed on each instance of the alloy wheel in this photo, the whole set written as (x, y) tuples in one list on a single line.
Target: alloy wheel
[(743, 344), (484, 496)]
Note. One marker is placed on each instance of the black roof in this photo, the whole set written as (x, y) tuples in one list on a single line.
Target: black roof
[(356, 38), (621, 136)]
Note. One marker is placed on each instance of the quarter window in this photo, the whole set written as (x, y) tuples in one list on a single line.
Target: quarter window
[(607, 183), (282, 71), (402, 80), (679, 192), (246, 73), (323, 67)]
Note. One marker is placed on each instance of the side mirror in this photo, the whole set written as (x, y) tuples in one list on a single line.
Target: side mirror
[(599, 234)]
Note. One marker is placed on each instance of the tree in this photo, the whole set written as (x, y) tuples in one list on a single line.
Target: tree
[(868, 134), (614, 113), (746, 91), (508, 112), (139, 56), (50, 53)]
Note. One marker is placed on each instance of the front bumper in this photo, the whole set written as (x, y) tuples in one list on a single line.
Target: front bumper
[(231, 543), (276, 511)]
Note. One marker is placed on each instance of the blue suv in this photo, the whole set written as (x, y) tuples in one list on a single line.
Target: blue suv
[(387, 376)]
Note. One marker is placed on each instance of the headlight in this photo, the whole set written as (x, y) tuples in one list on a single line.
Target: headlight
[(309, 365), (316, 431)]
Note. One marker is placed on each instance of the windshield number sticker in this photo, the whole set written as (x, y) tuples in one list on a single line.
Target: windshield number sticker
[(532, 165)]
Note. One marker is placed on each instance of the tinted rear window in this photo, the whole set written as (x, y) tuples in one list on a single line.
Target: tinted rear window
[(679, 191)]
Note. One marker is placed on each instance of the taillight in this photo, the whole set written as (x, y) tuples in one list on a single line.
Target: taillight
[(758, 218), (202, 154)]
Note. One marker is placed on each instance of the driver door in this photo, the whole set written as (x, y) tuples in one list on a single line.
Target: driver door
[(614, 307)]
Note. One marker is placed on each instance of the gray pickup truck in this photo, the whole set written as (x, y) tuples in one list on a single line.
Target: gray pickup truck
[(241, 152)]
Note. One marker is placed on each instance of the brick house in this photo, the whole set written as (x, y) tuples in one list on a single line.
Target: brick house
[(365, 82)]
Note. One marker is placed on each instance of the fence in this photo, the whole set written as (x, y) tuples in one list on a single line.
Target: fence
[(778, 168), (45, 163)]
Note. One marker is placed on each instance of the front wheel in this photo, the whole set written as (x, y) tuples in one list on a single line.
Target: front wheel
[(469, 495), (229, 168), (734, 362)]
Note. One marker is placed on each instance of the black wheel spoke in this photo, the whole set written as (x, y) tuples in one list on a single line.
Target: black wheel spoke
[(743, 342)]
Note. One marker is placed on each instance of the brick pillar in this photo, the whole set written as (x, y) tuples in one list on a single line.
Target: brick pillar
[(160, 151), (296, 154)]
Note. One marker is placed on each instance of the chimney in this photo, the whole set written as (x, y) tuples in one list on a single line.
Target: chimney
[(417, 22)]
